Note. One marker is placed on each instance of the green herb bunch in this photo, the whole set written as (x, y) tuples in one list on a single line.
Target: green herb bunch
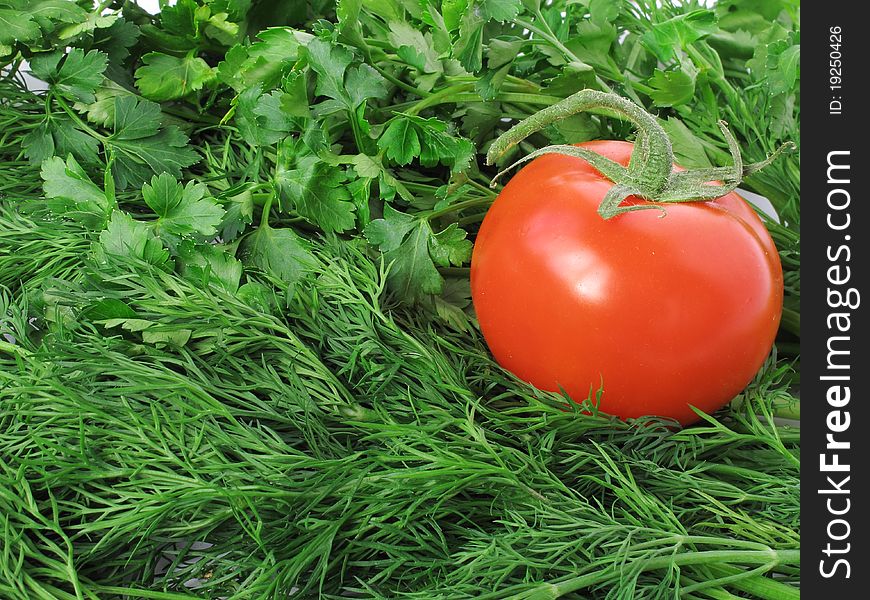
[(237, 354)]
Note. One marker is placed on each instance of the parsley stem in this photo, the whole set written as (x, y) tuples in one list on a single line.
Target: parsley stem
[(548, 35), (440, 97), (460, 97), (189, 115), (399, 83), (267, 208), (458, 206), (76, 119)]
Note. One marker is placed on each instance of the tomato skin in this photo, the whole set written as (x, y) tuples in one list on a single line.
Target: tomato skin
[(664, 312)]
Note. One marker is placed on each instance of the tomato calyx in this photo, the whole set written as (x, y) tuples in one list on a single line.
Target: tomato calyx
[(650, 174)]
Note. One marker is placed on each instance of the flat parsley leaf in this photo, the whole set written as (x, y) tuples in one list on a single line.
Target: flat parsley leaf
[(75, 195), (471, 17), (58, 135), (102, 110), (209, 264), (93, 22), (239, 214), (141, 147), (412, 250), (317, 191), (337, 79), (261, 118), (672, 88), (182, 210), (116, 40), (16, 26), (280, 252), (664, 39), (450, 246), (453, 302), (400, 142), (409, 136), (27, 20), (264, 62), (777, 64), (164, 77), (125, 237), (414, 47), (500, 10), (75, 75), (688, 148)]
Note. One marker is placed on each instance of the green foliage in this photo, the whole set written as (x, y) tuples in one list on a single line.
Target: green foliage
[(164, 77), (409, 137), (140, 146), (318, 193), (279, 252), (181, 210), (237, 353), (412, 250), (125, 237), (75, 74), (76, 196), (667, 38)]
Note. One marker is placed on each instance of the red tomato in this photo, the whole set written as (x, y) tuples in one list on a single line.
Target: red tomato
[(664, 312)]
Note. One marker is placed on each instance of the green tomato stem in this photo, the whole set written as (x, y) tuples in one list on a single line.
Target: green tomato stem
[(650, 173)]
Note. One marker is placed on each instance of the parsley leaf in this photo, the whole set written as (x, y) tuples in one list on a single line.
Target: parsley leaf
[(164, 77), (500, 10), (666, 38), (77, 196), (415, 47), (412, 250), (116, 41), (412, 274), (280, 252), (453, 302), (93, 22), (239, 213), (16, 26), (449, 246), (28, 20), (261, 118), (264, 62), (348, 85), (102, 110), (127, 238), (317, 191), (400, 142), (209, 264), (182, 210), (688, 148), (672, 88), (141, 146), (409, 136), (75, 75), (58, 135)]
